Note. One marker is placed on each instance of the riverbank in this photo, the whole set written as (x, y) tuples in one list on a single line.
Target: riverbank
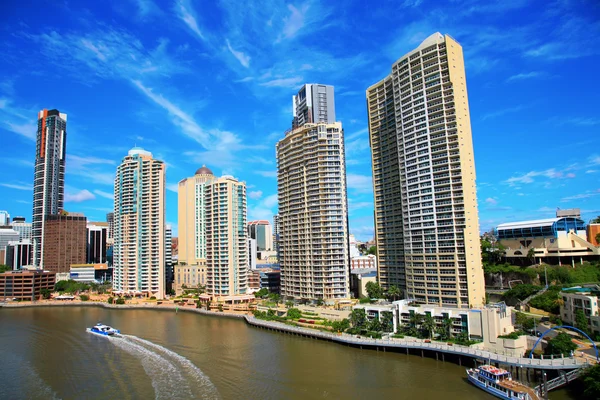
[(137, 306)]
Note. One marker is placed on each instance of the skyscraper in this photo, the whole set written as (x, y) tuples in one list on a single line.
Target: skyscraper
[(313, 103), (262, 232), (191, 217), (24, 228), (426, 224), (110, 220), (226, 237), (49, 176), (313, 210), (169, 272), (97, 235), (139, 225), (4, 218)]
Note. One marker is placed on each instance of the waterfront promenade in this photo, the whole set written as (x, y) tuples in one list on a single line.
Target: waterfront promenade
[(417, 344)]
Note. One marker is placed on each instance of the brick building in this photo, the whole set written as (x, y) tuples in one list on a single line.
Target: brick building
[(65, 242), (25, 284)]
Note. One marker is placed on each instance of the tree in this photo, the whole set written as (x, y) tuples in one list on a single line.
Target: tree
[(394, 292), (358, 318), (374, 290), (320, 302), (375, 325), (387, 321), (289, 304), (598, 238), (4, 268), (531, 255), (581, 321), (561, 344), (428, 325), (294, 313), (261, 293), (340, 326), (46, 293), (595, 220), (274, 297), (372, 250), (591, 382), (447, 328)]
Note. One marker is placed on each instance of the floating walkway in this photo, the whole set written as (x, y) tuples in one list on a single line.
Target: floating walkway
[(458, 350)]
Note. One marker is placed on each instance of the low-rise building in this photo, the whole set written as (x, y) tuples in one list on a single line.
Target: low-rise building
[(253, 280), (553, 240), (25, 284), (583, 299), (368, 261), (90, 273), (270, 279), (189, 276), (359, 278), (18, 254)]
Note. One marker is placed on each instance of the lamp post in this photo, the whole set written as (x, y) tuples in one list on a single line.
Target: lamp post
[(546, 275)]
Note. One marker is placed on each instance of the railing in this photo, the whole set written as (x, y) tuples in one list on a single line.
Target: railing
[(559, 381), (557, 363)]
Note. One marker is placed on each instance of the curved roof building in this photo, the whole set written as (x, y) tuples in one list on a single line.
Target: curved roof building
[(549, 227)]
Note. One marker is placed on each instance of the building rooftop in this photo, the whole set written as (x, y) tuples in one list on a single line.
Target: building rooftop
[(204, 171), (138, 150)]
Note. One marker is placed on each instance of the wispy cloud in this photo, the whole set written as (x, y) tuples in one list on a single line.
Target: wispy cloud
[(79, 196), (265, 209), (526, 75), (359, 183), (106, 195), (283, 82), (503, 111), (256, 194), (17, 120), (531, 176), (267, 174), (294, 21), (188, 15), (18, 186), (241, 57), (581, 196), (491, 201)]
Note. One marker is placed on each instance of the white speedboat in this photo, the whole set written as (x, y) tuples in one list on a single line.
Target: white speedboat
[(103, 330)]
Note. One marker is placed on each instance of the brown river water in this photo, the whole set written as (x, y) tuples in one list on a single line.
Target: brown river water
[(46, 353)]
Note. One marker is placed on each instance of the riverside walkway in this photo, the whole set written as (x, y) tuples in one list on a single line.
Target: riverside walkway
[(458, 350)]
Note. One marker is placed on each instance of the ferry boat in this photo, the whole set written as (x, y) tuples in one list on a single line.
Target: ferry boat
[(498, 382), (103, 330)]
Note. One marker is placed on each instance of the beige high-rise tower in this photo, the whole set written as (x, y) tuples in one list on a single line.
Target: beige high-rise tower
[(191, 217), (426, 222), (139, 225), (313, 209), (226, 238)]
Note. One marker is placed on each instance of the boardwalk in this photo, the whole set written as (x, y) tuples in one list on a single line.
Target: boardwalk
[(556, 364)]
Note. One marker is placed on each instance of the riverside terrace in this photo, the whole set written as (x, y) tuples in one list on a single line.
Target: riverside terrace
[(417, 344)]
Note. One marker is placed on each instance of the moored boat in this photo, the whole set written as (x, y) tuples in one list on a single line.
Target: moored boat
[(103, 330), (498, 382)]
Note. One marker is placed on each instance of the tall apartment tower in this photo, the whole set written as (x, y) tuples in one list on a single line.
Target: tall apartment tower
[(110, 220), (169, 272), (426, 223), (313, 209), (49, 175), (97, 236), (276, 234), (139, 225), (313, 103), (226, 237), (191, 217)]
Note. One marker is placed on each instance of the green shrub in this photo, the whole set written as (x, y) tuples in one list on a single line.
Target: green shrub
[(120, 301), (110, 300), (548, 301), (84, 297), (153, 298), (294, 313)]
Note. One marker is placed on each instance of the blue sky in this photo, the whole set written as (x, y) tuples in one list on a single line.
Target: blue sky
[(210, 82)]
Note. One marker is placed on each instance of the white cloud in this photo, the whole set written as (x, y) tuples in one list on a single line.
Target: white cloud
[(580, 196), (265, 209), (284, 82), (491, 201), (187, 15), (267, 174), (18, 186), (359, 183), (294, 21), (173, 187), (526, 75), (529, 177), (256, 194), (359, 204), (270, 201), (241, 57), (78, 197), (106, 195)]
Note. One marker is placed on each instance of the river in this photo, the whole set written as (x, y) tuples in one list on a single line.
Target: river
[(46, 353)]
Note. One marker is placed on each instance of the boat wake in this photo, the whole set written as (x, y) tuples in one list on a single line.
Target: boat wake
[(172, 375)]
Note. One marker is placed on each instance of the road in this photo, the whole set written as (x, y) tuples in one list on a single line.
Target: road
[(543, 328)]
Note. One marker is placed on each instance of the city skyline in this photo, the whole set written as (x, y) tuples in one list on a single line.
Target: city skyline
[(516, 133)]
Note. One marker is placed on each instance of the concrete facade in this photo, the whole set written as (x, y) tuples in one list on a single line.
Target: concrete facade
[(25, 284), (139, 225), (226, 238), (368, 261), (314, 103), (191, 217), (426, 223), (190, 276), (581, 299), (313, 213)]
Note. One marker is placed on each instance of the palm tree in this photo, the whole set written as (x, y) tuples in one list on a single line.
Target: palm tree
[(394, 292), (447, 325), (429, 325)]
